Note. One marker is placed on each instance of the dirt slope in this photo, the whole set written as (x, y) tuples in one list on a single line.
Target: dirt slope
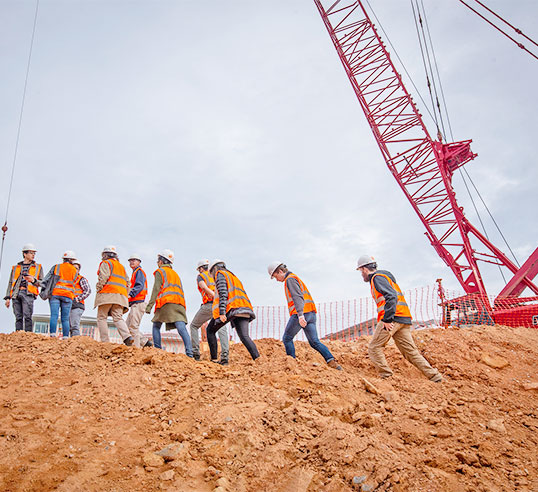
[(79, 415)]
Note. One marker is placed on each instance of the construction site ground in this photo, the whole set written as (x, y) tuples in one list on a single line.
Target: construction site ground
[(79, 415)]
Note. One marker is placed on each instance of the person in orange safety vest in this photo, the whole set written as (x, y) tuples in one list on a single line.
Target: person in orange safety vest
[(393, 320), (137, 297), (23, 288), (111, 297), (63, 293)]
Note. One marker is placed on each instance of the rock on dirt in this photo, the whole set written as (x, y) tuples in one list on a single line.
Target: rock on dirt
[(270, 426)]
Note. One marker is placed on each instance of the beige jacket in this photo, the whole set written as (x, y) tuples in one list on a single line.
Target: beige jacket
[(106, 298)]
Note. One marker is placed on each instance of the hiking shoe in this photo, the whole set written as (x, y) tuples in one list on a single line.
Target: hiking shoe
[(196, 356), (223, 362), (334, 365), (437, 379), (148, 343), (129, 341)]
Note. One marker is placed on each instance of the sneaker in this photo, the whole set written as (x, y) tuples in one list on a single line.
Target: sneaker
[(334, 365), (196, 356), (129, 341)]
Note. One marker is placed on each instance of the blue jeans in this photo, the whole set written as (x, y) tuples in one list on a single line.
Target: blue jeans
[(57, 302), (293, 327), (181, 329)]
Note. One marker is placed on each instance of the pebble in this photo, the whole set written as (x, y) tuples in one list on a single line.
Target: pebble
[(152, 459), (358, 480), (494, 362), (497, 425), (530, 386), (369, 387), (167, 475)]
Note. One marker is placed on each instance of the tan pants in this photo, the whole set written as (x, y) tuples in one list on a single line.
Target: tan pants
[(115, 311), (133, 320), (406, 345)]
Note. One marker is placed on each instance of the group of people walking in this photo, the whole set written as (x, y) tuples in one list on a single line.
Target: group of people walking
[(224, 300)]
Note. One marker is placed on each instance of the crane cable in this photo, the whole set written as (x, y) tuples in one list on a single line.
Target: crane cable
[(520, 45), (4, 227), (452, 137)]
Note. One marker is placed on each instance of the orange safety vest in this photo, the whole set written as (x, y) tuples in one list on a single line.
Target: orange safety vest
[(34, 270), (208, 279), (237, 297), (78, 288), (309, 305), (402, 309), (171, 289), (65, 287), (141, 296), (117, 282)]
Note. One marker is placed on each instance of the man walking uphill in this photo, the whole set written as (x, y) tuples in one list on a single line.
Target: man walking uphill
[(137, 297), (111, 295), (302, 313), (393, 320), (23, 287)]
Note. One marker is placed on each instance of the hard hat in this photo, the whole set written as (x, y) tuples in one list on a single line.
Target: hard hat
[(135, 256), (168, 254), (272, 267), (365, 260), (110, 249), (214, 262), (202, 263), (76, 262), (69, 255), (29, 247)]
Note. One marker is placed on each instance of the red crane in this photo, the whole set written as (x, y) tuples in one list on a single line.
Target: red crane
[(423, 167)]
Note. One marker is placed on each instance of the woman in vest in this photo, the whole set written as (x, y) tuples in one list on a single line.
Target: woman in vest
[(63, 293), (232, 304), (111, 296), (302, 313), (169, 300)]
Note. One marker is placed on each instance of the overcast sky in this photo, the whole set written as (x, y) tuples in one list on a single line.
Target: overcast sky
[(230, 130)]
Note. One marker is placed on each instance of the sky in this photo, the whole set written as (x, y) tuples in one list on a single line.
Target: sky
[(230, 130)]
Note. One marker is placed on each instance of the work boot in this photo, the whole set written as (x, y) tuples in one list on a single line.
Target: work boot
[(223, 362), (196, 356), (333, 364), (129, 341), (148, 343)]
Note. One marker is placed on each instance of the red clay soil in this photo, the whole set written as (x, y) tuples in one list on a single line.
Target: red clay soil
[(84, 416)]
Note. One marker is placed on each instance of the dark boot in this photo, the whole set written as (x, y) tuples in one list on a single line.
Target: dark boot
[(196, 356), (129, 341)]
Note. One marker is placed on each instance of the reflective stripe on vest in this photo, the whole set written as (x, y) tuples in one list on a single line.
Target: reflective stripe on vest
[(208, 279), (65, 287), (237, 297), (78, 288), (309, 305), (33, 270), (141, 296), (171, 289), (402, 309), (117, 282)]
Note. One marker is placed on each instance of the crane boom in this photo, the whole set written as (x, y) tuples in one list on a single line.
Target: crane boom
[(422, 166)]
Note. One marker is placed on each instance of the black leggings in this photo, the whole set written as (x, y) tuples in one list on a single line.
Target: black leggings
[(241, 326)]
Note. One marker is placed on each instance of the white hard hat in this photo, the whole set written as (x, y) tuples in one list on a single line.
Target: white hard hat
[(212, 263), (69, 255), (168, 254), (76, 262), (29, 247), (272, 267), (365, 260), (110, 249), (135, 256), (202, 263)]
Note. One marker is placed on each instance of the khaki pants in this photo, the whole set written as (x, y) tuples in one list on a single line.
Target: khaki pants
[(205, 313), (133, 320), (406, 345), (115, 311)]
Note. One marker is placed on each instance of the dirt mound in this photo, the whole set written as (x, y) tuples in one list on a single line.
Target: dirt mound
[(80, 415)]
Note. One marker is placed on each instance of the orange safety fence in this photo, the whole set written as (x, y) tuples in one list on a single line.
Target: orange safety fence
[(431, 307)]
